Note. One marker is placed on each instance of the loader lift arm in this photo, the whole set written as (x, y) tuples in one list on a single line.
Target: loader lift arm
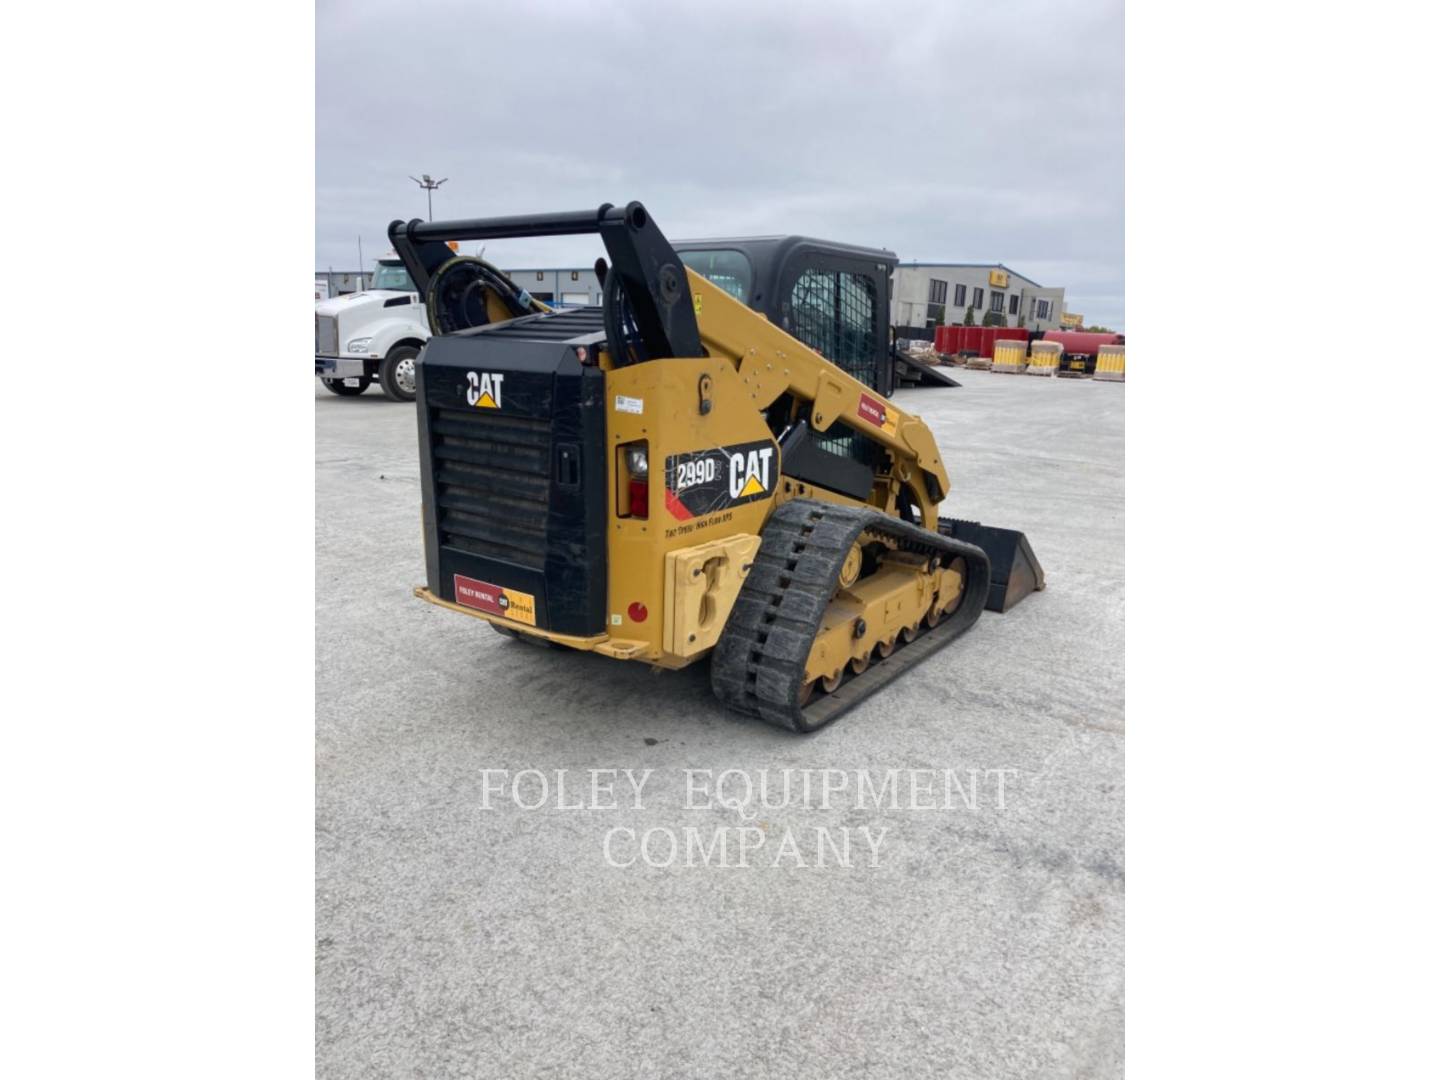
[(772, 363)]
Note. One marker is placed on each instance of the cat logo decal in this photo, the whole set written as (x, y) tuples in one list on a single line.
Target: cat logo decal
[(484, 389)]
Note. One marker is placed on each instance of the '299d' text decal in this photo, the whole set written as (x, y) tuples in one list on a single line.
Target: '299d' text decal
[(703, 481)]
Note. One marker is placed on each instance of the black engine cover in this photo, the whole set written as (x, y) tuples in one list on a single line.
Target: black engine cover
[(512, 452)]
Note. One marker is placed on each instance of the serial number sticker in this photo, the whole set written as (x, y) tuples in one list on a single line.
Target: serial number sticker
[(495, 599), (633, 405)]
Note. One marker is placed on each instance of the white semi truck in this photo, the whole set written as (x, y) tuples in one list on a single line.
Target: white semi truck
[(372, 336)]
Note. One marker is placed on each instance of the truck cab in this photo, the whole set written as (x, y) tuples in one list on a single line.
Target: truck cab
[(372, 336)]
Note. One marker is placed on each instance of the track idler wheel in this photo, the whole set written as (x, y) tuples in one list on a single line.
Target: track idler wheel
[(858, 664), (831, 683), (955, 564)]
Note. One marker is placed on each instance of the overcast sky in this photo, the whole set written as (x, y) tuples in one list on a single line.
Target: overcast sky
[(944, 131)]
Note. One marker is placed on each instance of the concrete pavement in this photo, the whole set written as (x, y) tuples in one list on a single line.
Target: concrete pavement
[(461, 934)]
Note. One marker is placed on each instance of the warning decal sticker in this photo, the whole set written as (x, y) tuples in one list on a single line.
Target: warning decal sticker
[(495, 600), (704, 481), (875, 412)]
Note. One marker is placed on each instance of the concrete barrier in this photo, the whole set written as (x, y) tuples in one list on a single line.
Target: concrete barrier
[(1110, 364), (1009, 357), (1044, 358)]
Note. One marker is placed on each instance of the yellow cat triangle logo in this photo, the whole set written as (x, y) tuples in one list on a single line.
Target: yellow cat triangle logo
[(486, 402), (752, 487)]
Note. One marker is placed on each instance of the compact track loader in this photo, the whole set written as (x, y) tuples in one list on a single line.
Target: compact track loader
[(671, 475)]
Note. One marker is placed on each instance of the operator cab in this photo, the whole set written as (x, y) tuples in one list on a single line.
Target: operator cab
[(833, 297), (836, 299)]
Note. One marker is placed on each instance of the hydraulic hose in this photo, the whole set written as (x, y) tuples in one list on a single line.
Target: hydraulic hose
[(456, 297)]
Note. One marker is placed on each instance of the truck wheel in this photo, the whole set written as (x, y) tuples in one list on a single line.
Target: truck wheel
[(397, 373), (337, 386)]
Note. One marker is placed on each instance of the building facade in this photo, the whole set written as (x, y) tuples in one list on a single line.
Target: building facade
[(921, 294), (569, 286), (342, 282), (927, 294)]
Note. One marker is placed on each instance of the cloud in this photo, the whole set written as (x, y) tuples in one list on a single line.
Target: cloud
[(941, 131)]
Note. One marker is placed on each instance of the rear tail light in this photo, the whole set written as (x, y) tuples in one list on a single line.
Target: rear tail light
[(639, 497), (632, 468)]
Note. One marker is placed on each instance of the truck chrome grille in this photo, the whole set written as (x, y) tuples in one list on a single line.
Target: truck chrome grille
[(492, 483), (327, 336)]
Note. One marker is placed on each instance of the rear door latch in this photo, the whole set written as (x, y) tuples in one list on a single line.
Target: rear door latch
[(567, 465)]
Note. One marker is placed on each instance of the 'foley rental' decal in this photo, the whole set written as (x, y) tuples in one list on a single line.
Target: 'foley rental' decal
[(495, 599), (872, 410)]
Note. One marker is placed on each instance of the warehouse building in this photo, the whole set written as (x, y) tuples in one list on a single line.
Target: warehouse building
[(341, 282), (924, 294), (565, 286), (569, 286), (921, 294)]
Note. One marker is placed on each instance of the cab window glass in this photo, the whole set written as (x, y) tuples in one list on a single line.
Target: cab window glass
[(728, 269), (392, 276)]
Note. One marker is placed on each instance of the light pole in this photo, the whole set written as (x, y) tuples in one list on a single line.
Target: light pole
[(429, 186)]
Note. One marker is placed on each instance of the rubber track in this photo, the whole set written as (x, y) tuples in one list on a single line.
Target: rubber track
[(758, 665)]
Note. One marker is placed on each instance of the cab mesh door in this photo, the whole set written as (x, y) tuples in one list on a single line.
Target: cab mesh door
[(833, 311)]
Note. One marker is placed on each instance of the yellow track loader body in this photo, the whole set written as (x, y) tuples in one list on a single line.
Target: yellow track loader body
[(673, 477)]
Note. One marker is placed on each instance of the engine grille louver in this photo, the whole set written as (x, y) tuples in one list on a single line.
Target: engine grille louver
[(492, 483)]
